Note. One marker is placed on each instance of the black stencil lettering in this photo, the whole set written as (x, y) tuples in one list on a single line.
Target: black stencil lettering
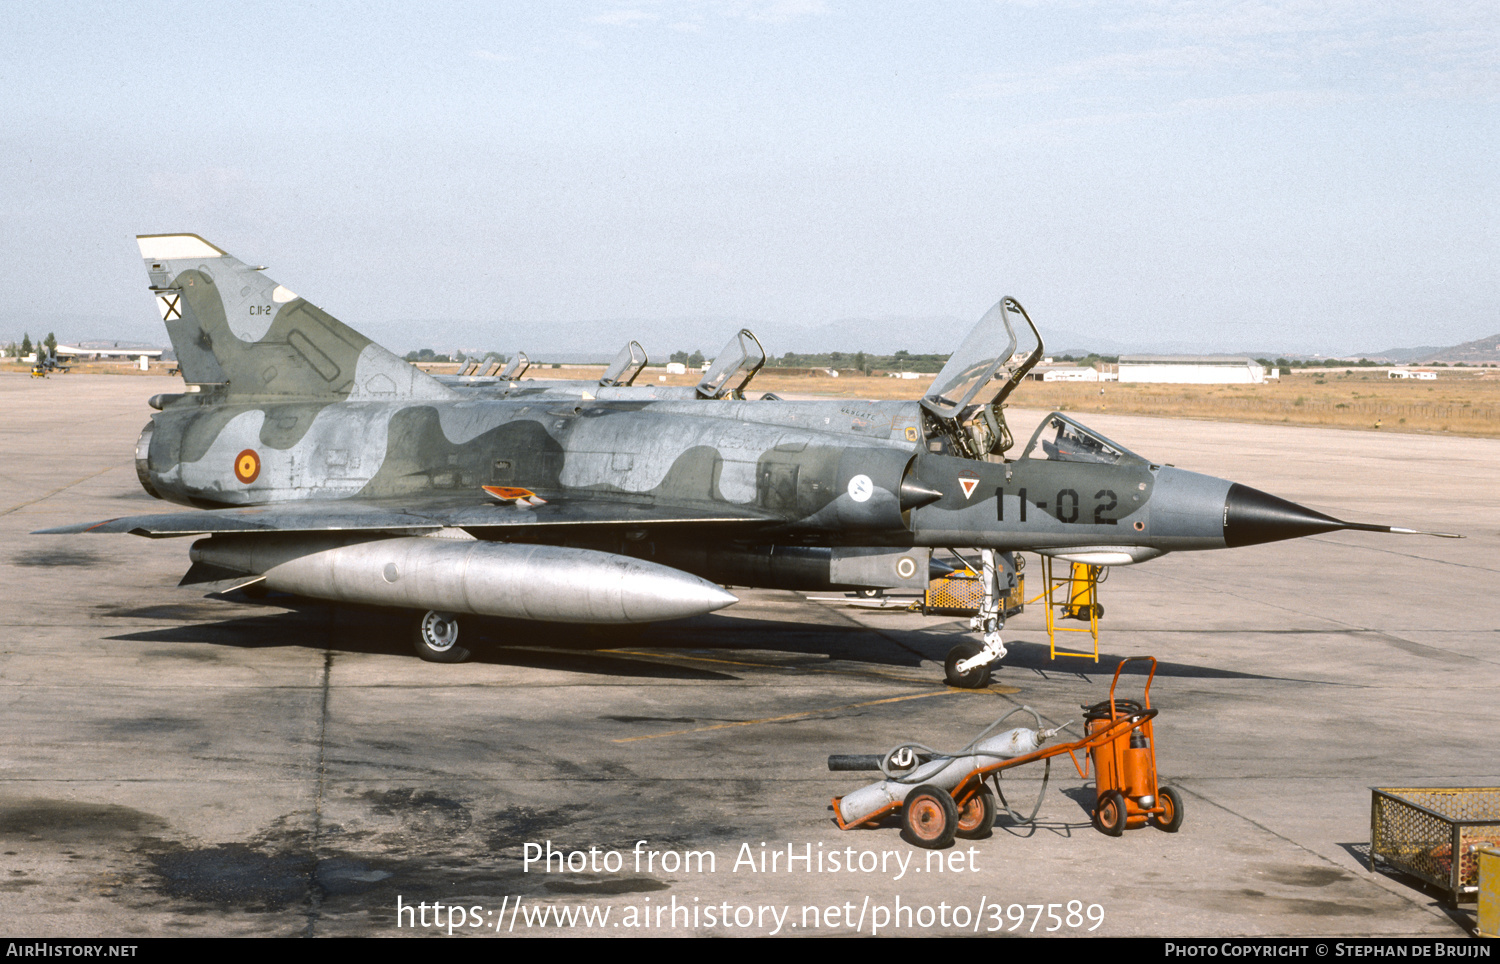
[(1101, 508)]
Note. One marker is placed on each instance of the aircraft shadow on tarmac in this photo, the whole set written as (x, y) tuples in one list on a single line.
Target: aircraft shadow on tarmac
[(585, 649), (581, 649), (1037, 657), (322, 628)]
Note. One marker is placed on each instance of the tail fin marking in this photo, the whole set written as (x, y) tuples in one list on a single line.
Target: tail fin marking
[(231, 324)]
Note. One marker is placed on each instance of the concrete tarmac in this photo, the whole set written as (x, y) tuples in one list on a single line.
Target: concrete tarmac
[(171, 764)]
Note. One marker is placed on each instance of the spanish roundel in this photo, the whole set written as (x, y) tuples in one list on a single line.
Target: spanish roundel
[(247, 466)]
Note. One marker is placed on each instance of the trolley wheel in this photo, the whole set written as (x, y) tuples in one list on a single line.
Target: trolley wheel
[(930, 817), (1098, 611), (1170, 818), (1110, 814), (974, 679), (976, 817)]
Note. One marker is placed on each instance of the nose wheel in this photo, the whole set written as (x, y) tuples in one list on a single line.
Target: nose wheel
[(436, 638), (970, 677), (968, 664)]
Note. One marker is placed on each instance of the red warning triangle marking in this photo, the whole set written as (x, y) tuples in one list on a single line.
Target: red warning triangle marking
[(969, 485), (508, 493)]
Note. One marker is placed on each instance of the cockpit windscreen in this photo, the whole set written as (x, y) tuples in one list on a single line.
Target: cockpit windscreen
[(1060, 439)]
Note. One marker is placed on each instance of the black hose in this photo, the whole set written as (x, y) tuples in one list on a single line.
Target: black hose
[(1034, 810)]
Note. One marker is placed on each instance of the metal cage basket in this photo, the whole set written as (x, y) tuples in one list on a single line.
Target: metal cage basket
[(959, 594), (1435, 833)]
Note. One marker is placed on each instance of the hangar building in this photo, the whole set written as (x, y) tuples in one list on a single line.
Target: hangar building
[(1193, 369)]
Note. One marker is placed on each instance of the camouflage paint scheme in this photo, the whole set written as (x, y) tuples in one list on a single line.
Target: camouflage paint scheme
[(295, 424)]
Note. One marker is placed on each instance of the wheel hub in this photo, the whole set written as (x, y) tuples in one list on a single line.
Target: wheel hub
[(927, 819), (439, 631)]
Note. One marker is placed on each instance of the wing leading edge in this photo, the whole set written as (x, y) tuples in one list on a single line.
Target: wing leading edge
[(408, 517)]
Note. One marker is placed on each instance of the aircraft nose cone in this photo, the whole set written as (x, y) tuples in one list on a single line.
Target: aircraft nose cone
[(1252, 516)]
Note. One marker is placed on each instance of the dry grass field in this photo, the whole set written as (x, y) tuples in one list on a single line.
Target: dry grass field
[(1465, 403), (1460, 402), (113, 367)]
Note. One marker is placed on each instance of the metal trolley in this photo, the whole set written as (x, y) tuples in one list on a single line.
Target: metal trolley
[(949, 796)]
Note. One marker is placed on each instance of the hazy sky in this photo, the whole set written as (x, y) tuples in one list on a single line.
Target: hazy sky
[(1292, 175)]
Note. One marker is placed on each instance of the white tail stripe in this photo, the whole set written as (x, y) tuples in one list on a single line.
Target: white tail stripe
[(175, 247)]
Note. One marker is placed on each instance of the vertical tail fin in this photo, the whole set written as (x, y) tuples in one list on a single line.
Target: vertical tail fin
[(232, 325)]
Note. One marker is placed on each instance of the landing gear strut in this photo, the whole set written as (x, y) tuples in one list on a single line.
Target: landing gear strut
[(968, 664)]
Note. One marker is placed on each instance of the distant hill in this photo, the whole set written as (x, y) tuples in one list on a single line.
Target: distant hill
[(1475, 352), (1472, 352), (1402, 356)]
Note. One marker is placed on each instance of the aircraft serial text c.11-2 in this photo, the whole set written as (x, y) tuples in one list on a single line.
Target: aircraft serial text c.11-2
[(320, 464)]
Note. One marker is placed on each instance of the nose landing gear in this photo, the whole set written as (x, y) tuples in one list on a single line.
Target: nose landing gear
[(968, 664)]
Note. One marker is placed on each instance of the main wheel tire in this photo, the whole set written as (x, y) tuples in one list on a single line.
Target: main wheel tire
[(976, 678), (1170, 818), (436, 638), (930, 817), (1110, 814), (977, 816)]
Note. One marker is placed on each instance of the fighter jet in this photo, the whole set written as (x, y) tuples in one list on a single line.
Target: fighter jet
[(319, 464), (46, 364)]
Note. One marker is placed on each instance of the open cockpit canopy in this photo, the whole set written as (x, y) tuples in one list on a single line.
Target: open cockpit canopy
[(626, 366), (1060, 439), (516, 368), (967, 396), (735, 365), (986, 366)]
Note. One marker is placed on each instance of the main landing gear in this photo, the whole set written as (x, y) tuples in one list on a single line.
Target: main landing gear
[(436, 638)]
